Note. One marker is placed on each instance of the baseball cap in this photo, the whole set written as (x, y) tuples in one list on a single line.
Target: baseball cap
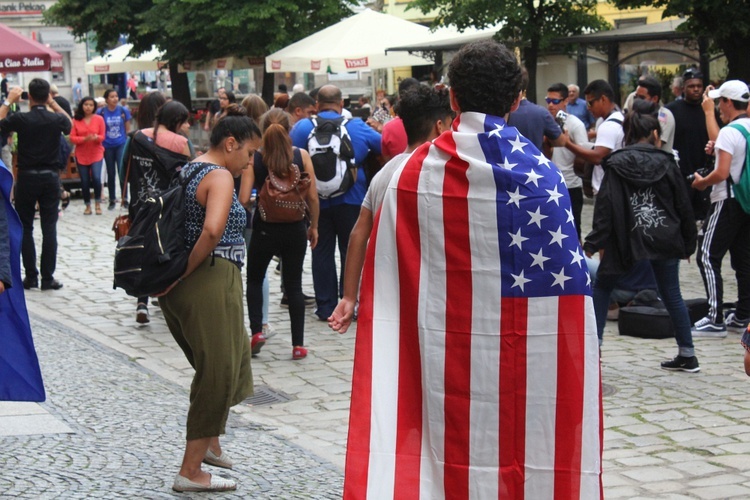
[(692, 73), (734, 90)]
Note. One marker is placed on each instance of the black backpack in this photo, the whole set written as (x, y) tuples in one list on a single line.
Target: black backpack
[(153, 253), (332, 156)]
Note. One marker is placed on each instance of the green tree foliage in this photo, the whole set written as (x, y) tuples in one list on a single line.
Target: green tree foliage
[(199, 29), (530, 25), (725, 22)]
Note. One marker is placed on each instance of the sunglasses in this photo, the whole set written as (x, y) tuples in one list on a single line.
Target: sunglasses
[(549, 100), (591, 102)]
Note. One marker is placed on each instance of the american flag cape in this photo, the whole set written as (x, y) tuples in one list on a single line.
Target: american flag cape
[(476, 369)]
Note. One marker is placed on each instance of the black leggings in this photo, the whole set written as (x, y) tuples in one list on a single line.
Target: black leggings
[(289, 242)]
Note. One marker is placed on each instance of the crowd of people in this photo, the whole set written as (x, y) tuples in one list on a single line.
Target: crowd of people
[(420, 171)]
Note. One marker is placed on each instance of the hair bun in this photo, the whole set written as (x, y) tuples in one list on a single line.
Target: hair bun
[(235, 110)]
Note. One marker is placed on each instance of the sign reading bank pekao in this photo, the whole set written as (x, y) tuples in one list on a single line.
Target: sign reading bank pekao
[(17, 9), (362, 62)]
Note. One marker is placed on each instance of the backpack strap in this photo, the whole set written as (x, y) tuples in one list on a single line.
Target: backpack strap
[(746, 134)]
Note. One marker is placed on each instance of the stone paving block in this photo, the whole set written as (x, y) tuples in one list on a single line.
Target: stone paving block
[(640, 429), (723, 492), (653, 474), (718, 480), (639, 461), (739, 462), (697, 468), (687, 436)]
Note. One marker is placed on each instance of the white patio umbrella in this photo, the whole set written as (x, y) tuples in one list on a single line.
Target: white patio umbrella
[(354, 44), (118, 61)]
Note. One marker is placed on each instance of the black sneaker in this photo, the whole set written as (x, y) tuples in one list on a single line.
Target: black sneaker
[(111, 205), (29, 283), (51, 285), (682, 364)]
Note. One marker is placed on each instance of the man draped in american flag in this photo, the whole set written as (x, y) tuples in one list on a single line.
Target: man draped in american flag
[(476, 371)]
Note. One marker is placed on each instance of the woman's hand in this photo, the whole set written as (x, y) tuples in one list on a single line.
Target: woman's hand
[(710, 147), (169, 288), (312, 237)]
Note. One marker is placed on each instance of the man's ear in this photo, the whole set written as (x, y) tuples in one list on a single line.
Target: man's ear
[(454, 101)]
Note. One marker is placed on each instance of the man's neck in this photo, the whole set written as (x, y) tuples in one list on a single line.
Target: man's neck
[(332, 109)]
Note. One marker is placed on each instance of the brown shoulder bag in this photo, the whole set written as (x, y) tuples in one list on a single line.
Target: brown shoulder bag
[(284, 200)]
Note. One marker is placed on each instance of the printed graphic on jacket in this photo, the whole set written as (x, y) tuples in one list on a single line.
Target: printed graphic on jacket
[(647, 215)]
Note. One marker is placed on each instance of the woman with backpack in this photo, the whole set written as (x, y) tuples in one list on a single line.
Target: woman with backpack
[(154, 155), (87, 134), (284, 178), (204, 307), (116, 119), (643, 212)]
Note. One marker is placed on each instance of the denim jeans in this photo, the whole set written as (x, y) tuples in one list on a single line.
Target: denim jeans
[(88, 174), (667, 273), (113, 158)]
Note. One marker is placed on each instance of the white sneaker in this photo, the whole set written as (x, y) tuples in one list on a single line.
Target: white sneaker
[(268, 331)]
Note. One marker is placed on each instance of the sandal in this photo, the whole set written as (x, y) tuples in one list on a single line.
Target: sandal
[(181, 484), (65, 198)]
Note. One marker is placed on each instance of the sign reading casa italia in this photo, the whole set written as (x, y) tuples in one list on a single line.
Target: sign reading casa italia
[(18, 9)]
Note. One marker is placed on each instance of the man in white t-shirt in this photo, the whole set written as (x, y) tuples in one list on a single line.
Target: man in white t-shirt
[(426, 113), (600, 99), (727, 225), (557, 99)]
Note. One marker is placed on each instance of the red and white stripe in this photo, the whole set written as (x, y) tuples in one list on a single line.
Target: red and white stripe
[(457, 391)]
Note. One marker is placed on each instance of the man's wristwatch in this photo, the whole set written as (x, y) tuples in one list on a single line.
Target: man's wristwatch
[(6, 103)]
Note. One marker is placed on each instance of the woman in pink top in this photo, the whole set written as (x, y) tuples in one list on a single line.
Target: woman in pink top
[(87, 134)]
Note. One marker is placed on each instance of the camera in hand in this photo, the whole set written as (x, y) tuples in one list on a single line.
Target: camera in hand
[(25, 95), (701, 171), (560, 118)]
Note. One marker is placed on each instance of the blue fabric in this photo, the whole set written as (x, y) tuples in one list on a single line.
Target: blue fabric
[(580, 110), (534, 122), (364, 139), (667, 274), (20, 376), (115, 126)]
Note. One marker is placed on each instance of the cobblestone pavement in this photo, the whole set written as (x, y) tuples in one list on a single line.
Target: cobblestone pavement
[(668, 435), (128, 431)]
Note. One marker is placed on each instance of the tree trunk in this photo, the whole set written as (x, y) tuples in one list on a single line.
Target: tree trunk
[(530, 57), (269, 86), (735, 50), (180, 86)]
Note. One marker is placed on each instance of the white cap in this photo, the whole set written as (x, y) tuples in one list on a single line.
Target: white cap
[(734, 90)]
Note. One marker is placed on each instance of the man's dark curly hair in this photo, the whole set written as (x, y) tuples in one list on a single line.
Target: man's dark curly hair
[(485, 77)]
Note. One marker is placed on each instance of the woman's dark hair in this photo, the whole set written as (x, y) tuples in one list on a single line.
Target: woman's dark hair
[(79, 114), (230, 97), (107, 92), (485, 77), (641, 122), (235, 123), (148, 107), (277, 145), (171, 116)]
